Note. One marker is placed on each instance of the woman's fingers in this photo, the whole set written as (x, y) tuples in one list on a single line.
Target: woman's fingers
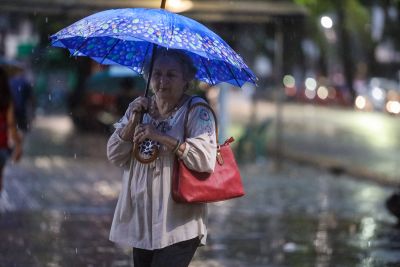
[(138, 133), (144, 131), (140, 104), (141, 133)]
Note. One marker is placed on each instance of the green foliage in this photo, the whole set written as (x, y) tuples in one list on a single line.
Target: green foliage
[(356, 14)]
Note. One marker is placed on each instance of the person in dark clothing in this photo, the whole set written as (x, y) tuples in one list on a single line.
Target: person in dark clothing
[(8, 128), (22, 95)]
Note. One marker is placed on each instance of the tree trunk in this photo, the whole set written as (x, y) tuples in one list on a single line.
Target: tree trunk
[(345, 48)]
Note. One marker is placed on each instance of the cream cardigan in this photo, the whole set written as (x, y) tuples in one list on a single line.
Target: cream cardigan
[(146, 216)]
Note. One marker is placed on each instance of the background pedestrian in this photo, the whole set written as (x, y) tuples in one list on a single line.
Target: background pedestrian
[(10, 139)]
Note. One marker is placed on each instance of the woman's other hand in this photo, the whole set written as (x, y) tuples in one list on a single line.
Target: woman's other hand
[(146, 131), (140, 104)]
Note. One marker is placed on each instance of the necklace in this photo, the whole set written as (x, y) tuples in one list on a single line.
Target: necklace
[(170, 113), (164, 124)]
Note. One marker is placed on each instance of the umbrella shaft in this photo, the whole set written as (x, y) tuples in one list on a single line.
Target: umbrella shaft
[(153, 52)]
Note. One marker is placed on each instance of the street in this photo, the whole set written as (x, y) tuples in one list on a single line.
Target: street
[(363, 144), (58, 203)]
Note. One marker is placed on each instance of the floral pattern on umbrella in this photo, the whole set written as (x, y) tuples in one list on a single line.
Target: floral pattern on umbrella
[(125, 37)]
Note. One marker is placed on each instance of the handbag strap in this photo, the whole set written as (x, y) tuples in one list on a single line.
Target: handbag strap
[(220, 159), (190, 108)]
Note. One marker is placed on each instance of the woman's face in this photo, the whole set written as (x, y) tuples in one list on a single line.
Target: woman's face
[(167, 80)]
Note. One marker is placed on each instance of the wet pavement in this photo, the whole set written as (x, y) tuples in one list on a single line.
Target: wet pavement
[(57, 207)]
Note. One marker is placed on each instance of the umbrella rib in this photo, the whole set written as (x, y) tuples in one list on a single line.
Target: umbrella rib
[(208, 73), (77, 50), (109, 51), (230, 70), (250, 76)]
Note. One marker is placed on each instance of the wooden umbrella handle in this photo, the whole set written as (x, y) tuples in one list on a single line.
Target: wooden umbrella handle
[(163, 4)]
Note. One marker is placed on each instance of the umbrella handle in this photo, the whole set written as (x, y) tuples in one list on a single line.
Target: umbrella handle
[(163, 4), (139, 151)]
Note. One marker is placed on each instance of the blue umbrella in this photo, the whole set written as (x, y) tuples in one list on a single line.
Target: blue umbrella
[(128, 36)]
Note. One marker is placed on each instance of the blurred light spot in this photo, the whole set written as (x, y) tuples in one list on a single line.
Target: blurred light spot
[(368, 227), (290, 247), (360, 102), (378, 93), (179, 5), (43, 163), (393, 107), (57, 124), (322, 92), (106, 189), (263, 66), (310, 83), (326, 22), (310, 94), (289, 81)]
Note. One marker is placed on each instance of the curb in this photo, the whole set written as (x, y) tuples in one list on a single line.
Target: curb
[(338, 167)]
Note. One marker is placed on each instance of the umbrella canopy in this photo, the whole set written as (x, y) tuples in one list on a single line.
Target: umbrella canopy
[(127, 36)]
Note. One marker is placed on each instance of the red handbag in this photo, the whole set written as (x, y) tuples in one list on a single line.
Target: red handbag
[(223, 183)]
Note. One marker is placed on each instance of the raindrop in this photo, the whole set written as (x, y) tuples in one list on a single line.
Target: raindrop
[(47, 19), (76, 250), (74, 155), (49, 97)]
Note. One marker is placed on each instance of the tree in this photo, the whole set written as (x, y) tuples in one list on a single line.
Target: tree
[(351, 16)]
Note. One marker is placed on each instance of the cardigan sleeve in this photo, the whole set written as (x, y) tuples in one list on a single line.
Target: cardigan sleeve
[(201, 143), (119, 150)]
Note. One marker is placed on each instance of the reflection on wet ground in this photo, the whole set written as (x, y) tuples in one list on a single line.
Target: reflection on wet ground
[(57, 207), (304, 217), (55, 238)]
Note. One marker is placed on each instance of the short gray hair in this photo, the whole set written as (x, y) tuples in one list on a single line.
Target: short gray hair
[(188, 68)]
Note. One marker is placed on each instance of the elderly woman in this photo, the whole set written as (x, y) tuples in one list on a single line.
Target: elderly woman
[(161, 231)]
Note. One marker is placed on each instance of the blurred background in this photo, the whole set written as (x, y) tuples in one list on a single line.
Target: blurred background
[(318, 138)]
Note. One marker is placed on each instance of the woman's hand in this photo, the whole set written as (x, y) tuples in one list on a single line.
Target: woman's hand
[(138, 105), (148, 131)]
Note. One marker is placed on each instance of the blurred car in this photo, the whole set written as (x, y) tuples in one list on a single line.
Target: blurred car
[(105, 97), (323, 93), (379, 94)]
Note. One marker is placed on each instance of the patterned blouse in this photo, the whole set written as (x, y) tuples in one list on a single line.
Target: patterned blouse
[(146, 216)]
